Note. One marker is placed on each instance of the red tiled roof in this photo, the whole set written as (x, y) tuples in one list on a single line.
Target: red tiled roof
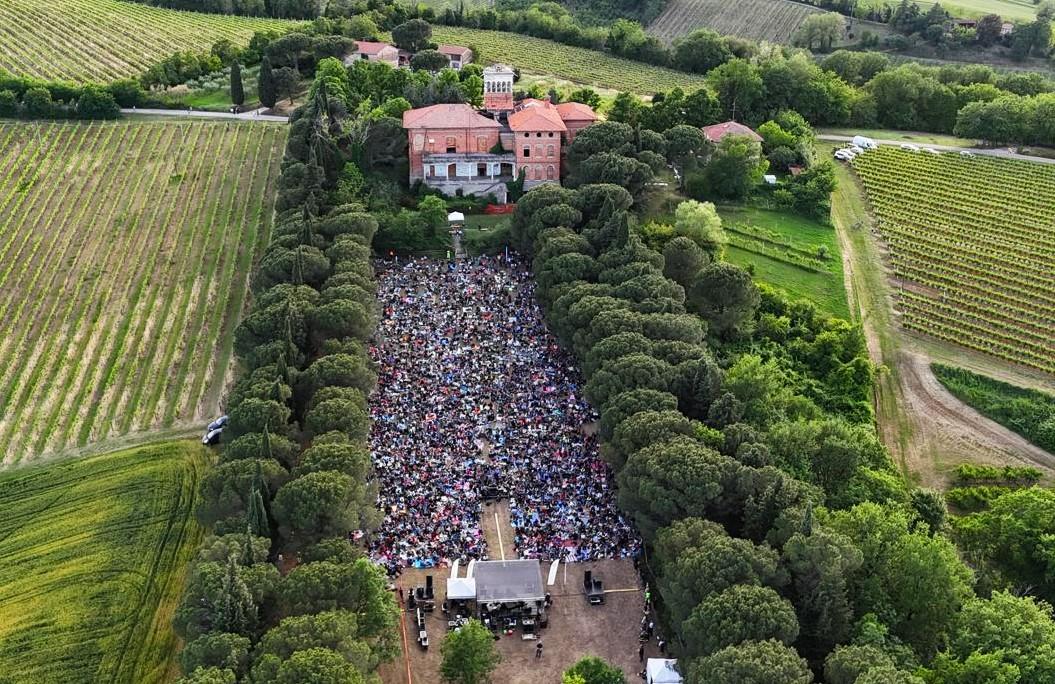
[(456, 50), (576, 111), (447, 116), (718, 131), (536, 115), (368, 48)]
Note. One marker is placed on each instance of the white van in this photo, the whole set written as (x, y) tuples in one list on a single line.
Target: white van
[(864, 143)]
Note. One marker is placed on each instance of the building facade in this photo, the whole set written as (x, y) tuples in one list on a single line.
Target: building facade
[(459, 150), (454, 148)]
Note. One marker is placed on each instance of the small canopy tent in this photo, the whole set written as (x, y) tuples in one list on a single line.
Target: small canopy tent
[(662, 671), (461, 588), (456, 217)]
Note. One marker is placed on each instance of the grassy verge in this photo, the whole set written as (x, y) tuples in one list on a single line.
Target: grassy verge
[(1025, 411), (96, 553), (902, 136)]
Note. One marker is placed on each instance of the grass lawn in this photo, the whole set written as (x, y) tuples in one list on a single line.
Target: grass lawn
[(902, 136), (479, 228), (96, 553), (826, 290)]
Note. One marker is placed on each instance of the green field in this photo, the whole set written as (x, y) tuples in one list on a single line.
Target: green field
[(103, 40), (578, 65), (780, 246), (772, 20), (95, 556), (970, 241), (125, 251), (1010, 10)]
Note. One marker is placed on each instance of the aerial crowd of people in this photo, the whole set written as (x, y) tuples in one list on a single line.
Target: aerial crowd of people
[(475, 401)]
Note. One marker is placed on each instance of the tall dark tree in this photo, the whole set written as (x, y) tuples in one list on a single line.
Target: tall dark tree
[(237, 90), (266, 84)]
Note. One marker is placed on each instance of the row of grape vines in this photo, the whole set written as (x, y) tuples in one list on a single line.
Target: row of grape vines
[(976, 234), (772, 20), (124, 253), (104, 40)]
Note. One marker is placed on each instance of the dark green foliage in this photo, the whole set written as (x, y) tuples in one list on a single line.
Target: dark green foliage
[(268, 92), (1028, 412), (237, 90)]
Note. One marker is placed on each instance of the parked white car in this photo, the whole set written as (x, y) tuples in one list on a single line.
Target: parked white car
[(931, 150), (855, 149), (864, 143), (844, 155), (966, 153), (909, 147)]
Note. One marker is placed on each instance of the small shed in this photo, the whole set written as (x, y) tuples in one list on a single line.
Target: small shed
[(662, 671)]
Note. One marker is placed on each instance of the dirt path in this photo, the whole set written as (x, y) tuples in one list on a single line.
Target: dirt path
[(926, 429), (498, 530)]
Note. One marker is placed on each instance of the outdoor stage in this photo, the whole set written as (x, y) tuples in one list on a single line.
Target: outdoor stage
[(576, 629)]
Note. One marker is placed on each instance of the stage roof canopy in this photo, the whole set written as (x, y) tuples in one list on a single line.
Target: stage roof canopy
[(508, 581)]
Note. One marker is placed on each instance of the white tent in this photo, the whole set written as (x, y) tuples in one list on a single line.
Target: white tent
[(662, 671), (456, 217), (461, 588)]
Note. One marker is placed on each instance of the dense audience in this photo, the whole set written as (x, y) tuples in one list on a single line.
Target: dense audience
[(475, 400)]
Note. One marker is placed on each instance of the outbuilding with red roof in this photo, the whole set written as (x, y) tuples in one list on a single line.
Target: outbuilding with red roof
[(718, 131)]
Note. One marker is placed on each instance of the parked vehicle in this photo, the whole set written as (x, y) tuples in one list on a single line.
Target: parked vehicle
[(220, 422), (212, 437), (864, 142), (909, 147), (966, 153), (844, 155), (931, 150)]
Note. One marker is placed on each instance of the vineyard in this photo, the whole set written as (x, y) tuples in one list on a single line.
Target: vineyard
[(104, 40), (772, 20), (792, 253), (124, 256), (579, 65), (971, 242), (95, 556)]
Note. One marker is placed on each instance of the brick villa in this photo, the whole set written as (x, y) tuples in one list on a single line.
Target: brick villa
[(454, 147)]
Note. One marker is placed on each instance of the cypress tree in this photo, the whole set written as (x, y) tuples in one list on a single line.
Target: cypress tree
[(257, 515), (237, 91), (266, 84)]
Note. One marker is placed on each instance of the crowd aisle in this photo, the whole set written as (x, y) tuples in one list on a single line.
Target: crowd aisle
[(476, 399)]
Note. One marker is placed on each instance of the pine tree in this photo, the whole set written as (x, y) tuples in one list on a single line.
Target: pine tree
[(257, 515), (237, 91), (235, 611), (266, 84), (247, 546), (282, 370), (806, 526)]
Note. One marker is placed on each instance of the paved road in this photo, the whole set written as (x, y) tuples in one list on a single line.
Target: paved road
[(1002, 152), (255, 115)]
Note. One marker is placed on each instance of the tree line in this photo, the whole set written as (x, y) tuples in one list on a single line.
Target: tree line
[(783, 542), (293, 483)]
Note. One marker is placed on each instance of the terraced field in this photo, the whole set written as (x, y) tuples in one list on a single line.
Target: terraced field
[(95, 556), (104, 40), (124, 258), (972, 243), (585, 67), (772, 20)]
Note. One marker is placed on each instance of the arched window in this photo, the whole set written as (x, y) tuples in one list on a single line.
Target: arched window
[(551, 172)]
